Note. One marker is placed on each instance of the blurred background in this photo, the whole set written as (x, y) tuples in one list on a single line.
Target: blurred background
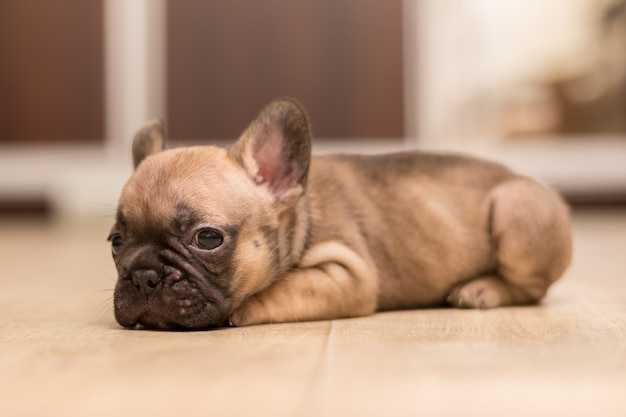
[(538, 85)]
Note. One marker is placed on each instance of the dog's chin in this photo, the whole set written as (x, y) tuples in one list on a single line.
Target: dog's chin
[(181, 306), (151, 321)]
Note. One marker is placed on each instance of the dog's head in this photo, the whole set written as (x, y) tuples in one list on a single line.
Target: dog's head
[(200, 229)]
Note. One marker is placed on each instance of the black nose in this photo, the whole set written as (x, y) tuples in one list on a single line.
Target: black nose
[(145, 280)]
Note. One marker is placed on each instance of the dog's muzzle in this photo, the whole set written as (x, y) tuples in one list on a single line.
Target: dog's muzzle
[(168, 298)]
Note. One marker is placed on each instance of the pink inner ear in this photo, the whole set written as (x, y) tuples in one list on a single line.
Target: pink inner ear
[(268, 159), (272, 169)]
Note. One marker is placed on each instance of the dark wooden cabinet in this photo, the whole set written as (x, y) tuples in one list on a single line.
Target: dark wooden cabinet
[(225, 59), (51, 71), (341, 58)]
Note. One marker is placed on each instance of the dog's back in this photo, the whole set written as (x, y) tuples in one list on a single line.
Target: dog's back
[(426, 221)]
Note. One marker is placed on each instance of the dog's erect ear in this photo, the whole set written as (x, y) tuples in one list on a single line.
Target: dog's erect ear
[(149, 140), (275, 150)]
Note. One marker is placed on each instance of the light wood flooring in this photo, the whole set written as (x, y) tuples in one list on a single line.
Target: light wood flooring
[(61, 354)]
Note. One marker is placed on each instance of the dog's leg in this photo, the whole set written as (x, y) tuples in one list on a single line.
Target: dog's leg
[(532, 239), (332, 282)]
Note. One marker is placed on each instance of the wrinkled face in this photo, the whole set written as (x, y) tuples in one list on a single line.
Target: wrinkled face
[(193, 238)]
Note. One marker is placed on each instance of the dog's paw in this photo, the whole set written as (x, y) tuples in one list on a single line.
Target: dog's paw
[(238, 318), (249, 313), (486, 292)]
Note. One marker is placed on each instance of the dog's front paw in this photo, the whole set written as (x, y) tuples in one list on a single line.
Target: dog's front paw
[(237, 318), (485, 292), (247, 314)]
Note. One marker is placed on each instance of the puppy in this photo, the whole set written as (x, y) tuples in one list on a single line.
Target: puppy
[(263, 233)]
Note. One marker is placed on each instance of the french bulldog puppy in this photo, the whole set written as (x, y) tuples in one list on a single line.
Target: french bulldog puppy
[(263, 233)]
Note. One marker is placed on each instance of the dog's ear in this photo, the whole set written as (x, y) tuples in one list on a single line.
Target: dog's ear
[(149, 140), (275, 149)]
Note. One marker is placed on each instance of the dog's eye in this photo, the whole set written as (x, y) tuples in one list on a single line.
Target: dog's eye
[(116, 243), (209, 239)]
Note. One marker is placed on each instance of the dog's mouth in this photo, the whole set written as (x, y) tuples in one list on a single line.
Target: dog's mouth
[(169, 299)]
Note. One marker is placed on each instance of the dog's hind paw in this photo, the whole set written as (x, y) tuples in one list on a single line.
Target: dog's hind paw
[(483, 292)]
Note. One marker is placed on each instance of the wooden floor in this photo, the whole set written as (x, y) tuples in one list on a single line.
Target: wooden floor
[(61, 353)]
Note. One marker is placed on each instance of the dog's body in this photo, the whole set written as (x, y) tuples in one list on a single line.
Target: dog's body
[(207, 236)]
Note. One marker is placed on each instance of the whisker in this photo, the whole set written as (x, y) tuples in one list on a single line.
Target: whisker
[(102, 290), (106, 311)]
